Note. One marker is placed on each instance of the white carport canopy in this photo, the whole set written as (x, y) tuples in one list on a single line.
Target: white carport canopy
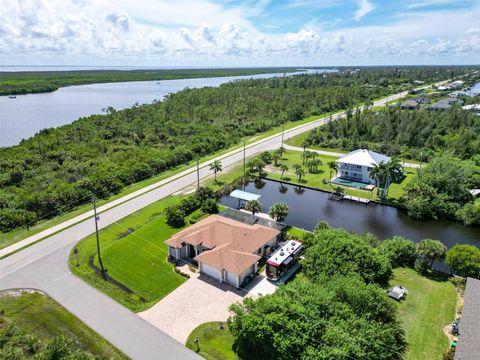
[(243, 195)]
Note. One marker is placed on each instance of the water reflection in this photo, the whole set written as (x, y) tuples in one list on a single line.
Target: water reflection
[(307, 207)]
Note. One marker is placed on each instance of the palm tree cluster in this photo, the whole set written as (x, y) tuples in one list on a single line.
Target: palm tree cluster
[(384, 174)]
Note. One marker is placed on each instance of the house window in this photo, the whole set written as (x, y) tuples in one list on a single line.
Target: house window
[(369, 168), (359, 166)]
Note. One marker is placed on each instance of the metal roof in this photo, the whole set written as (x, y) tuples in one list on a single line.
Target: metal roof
[(363, 157), (468, 347), (243, 195)]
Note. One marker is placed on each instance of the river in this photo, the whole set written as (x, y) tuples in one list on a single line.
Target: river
[(307, 207), (25, 115)]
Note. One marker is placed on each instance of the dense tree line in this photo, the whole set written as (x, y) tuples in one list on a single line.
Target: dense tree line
[(27, 82), (100, 154), (441, 190), (418, 134)]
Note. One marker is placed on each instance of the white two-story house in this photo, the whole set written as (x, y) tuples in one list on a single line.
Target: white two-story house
[(357, 165)]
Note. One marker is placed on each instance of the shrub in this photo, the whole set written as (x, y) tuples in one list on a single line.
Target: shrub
[(400, 251), (210, 206), (464, 260), (337, 252), (175, 216)]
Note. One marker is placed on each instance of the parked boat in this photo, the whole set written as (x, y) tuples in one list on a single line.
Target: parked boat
[(12, 97)]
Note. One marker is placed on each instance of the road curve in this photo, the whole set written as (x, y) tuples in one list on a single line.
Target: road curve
[(44, 265)]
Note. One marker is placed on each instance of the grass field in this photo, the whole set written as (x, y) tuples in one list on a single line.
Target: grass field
[(42, 317), (429, 306), (213, 342), (134, 253), (290, 158)]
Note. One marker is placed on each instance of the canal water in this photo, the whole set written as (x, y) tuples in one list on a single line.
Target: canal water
[(25, 115), (307, 207)]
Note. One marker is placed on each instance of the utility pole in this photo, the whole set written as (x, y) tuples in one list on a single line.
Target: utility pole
[(198, 173), (244, 166), (244, 159), (104, 275), (281, 146)]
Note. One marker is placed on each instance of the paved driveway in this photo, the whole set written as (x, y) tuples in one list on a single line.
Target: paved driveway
[(199, 300)]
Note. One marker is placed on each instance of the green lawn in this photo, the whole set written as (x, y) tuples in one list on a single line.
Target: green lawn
[(42, 317), (429, 306), (290, 158), (213, 343), (134, 253)]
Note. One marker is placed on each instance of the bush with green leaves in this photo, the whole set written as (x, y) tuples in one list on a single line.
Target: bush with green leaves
[(175, 216), (337, 252), (210, 206), (470, 213), (464, 260), (400, 251), (429, 251)]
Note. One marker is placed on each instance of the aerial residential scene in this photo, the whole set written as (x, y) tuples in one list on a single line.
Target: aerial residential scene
[(240, 180)]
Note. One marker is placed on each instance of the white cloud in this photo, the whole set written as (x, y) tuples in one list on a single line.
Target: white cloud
[(364, 7), (95, 31)]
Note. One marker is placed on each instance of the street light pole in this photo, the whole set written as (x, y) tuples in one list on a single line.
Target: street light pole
[(104, 275)]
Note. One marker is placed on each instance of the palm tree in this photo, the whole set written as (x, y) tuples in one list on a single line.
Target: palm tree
[(253, 206), (332, 165), (276, 156), (430, 250), (313, 165), (216, 166), (284, 168), (278, 211), (394, 172), (379, 174), (299, 172)]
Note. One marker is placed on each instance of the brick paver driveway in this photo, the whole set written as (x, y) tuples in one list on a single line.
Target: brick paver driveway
[(199, 300)]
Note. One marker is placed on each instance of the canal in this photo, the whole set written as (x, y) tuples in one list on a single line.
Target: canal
[(307, 207)]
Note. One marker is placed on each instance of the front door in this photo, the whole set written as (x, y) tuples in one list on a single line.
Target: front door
[(191, 251)]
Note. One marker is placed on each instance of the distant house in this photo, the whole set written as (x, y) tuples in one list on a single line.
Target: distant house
[(445, 104), (225, 249), (457, 94), (410, 104), (358, 164), (468, 347), (471, 107)]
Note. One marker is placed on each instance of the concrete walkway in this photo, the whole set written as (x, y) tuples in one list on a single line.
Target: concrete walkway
[(199, 300)]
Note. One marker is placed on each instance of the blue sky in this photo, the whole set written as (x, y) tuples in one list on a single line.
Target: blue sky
[(239, 33)]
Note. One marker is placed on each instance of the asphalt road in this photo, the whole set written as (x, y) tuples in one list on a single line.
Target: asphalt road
[(44, 265)]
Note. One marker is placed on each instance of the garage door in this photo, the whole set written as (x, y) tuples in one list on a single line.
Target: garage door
[(211, 271), (232, 279)]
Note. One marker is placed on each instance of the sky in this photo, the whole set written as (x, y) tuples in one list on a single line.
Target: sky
[(211, 33)]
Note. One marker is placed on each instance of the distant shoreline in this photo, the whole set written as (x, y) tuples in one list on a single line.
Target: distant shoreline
[(43, 81)]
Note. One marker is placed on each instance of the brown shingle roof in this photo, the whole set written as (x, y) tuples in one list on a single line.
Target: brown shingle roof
[(231, 243)]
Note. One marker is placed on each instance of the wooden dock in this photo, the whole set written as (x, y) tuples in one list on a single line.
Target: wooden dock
[(356, 199)]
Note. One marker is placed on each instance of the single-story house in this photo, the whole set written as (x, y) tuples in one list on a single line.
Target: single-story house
[(445, 104), (358, 164), (225, 249), (468, 346), (410, 104)]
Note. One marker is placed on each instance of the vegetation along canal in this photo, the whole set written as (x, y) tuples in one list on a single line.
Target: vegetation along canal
[(307, 207)]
